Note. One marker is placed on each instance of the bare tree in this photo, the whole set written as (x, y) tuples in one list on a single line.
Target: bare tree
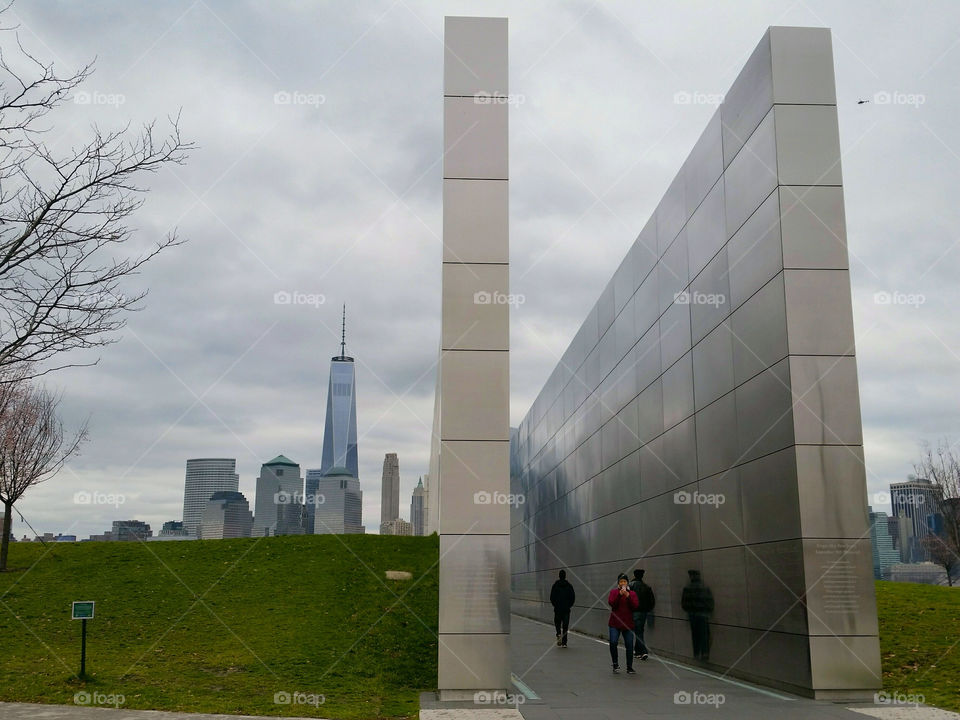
[(64, 214), (33, 445), (941, 466)]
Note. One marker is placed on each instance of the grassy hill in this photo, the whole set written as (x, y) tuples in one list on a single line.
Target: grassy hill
[(225, 626), (920, 641), (230, 626)]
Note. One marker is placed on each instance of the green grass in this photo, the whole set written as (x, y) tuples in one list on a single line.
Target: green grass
[(222, 626), (920, 641)]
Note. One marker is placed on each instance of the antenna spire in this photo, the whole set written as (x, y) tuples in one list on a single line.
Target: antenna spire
[(343, 332)]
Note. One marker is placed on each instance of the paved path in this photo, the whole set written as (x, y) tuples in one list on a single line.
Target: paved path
[(576, 683), (30, 711)]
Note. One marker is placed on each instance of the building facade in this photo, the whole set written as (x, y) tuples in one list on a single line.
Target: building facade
[(397, 526), (278, 486), (340, 425), (227, 515), (885, 554), (131, 530), (705, 419), (418, 509), (390, 489), (338, 508), (204, 477), (919, 501)]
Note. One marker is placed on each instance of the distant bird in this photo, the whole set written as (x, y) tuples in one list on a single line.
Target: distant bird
[(861, 102)]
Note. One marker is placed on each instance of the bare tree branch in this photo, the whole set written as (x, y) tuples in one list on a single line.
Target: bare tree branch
[(64, 217)]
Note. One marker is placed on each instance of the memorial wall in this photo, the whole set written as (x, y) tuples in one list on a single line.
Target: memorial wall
[(706, 415)]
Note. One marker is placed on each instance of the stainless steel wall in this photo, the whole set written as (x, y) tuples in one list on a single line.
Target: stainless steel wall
[(718, 364)]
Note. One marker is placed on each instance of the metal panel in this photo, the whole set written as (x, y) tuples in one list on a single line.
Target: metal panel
[(721, 521), (475, 220), (716, 436), (814, 228), (709, 297), (826, 400), (475, 583), (713, 366), (832, 485), (759, 329), (475, 139), (747, 100), (752, 176), (845, 663), (768, 491), (673, 272), (674, 334), (819, 312), (802, 66), (706, 231), (839, 587), (754, 253), (671, 214), (678, 392), (476, 478), (764, 417), (808, 144), (776, 581), (473, 661), (475, 56), (704, 165)]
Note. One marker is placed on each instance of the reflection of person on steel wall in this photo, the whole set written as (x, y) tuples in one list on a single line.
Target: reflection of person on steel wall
[(647, 602), (697, 603)]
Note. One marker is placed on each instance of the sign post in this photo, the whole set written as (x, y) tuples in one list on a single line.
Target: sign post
[(82, 610)]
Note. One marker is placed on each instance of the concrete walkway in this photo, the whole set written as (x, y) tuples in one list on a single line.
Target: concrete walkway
[(577, 683)]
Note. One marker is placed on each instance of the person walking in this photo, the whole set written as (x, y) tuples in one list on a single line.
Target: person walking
[(562, 597), (647, 602), (623, 602)]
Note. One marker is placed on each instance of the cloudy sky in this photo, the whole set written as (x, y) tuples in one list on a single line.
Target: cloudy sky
[(338, 195)]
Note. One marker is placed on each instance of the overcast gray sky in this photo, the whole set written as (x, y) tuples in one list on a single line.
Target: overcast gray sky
[(338, 194)]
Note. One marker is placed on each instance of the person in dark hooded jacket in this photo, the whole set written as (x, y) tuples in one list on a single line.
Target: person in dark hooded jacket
[(647, 602), (562, 597)]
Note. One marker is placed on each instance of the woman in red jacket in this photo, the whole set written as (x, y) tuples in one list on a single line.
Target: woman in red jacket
[(623, 602)]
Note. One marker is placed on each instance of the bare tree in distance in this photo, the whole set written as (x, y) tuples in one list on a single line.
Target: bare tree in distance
[(33, 445), (64, 216), (941, 466)]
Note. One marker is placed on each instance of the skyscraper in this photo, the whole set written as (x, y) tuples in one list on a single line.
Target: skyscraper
[(311, 491), (919, 500), (339, 504), (226, 515), (885, 555), (340, 426), (417, 508), (279, 484), (204, 477), (390, 491)]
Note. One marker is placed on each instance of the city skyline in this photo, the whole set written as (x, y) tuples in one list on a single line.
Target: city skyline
[(221, 367)]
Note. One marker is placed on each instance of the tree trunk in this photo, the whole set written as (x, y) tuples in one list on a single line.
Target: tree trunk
[(5, 543)]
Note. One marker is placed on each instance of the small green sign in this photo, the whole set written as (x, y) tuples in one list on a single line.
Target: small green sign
[(82, 610)]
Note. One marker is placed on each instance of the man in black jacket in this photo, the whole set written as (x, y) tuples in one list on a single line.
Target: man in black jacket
[(562, 597), (647, 601)]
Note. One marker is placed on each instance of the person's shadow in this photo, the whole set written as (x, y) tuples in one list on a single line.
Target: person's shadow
[(697, 602)]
